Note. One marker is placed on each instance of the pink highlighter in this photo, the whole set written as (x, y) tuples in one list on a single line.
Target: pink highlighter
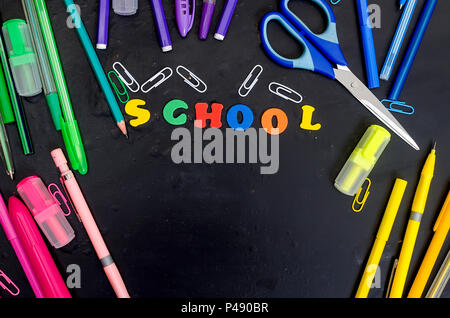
[(46, 211), (44, 267)]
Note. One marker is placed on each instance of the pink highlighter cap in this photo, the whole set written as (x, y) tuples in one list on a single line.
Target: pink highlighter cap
[(46, 211)]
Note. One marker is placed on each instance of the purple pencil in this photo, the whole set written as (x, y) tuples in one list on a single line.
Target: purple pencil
[(225, 20), (103, 22)]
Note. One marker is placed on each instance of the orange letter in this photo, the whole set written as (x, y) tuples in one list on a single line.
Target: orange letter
[(267, 121)]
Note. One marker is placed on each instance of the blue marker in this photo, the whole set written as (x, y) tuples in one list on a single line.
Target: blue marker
[(412, 49)]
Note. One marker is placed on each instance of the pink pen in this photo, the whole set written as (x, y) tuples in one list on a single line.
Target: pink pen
[(42, 262), (19, 250), (85, 215)]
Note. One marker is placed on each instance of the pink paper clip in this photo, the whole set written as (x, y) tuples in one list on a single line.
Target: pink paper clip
[(61, 195), (8, 282)]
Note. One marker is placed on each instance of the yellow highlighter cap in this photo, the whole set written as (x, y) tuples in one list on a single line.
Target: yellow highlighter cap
[(362, 160)]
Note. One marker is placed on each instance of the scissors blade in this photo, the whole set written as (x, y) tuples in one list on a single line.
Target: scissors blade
[(371, 102)]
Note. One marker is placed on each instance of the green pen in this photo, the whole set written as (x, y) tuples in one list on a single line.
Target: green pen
[(5, 103), (5, 152), (69, 126), (51, 94), (16, 103)]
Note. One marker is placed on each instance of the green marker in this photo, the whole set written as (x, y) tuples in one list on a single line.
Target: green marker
[(69, 125), (48, 82)]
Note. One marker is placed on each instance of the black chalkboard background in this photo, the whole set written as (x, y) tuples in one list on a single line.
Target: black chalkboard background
[(198, 230)]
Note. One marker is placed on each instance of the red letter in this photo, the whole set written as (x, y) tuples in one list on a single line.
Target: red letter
[(201, 111)]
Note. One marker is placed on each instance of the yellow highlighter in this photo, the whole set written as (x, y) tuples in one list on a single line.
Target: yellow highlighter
[(382, 236), (441, 229), (362, 160), (418, 207)]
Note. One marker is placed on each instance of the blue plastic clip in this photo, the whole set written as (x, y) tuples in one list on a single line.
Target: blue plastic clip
[(333, 2), (405, 109)]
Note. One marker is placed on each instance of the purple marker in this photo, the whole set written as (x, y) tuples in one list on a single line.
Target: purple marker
[(103, 21), (225, 20), (207, 14), (161, 25), (185, 12)]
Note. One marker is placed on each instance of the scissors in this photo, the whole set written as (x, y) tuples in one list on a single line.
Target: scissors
[(319, 52)]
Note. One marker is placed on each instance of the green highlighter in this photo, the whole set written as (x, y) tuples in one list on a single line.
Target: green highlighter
[(22, 58)]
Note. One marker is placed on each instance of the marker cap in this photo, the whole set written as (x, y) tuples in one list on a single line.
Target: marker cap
[(22, 58), (46, 211), (362, 160), (125, 7)]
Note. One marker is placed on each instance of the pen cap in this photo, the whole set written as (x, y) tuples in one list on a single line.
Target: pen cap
[(46, 211), (362, 160), (22, 58), (125, 7)]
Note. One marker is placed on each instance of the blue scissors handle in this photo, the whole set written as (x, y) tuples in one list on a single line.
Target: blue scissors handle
[(327, 41), (311, 59)]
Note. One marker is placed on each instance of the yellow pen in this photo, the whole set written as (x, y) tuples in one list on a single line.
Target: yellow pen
[(382, 236), (441, 229), (418, 207)]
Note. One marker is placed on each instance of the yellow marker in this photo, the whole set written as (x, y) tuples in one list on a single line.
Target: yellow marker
[(132, 108), (382, 236), (307, 119), (441, 229), (418, 207)]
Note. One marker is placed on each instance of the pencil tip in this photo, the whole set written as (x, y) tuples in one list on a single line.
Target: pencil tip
[(11, 175), (401, 6), (123, 128), (434, 146)]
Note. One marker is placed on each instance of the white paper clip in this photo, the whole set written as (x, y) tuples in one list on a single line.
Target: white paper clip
[(122, 72), (165, 74), (192, 80), (245, 89), (281, 90)]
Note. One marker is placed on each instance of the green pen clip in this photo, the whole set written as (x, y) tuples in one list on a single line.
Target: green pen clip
[(116, 89), (75, 150)]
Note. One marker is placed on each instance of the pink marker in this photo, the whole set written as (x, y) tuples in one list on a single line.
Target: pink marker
[(45, 268), (46, 211), (18, 248), (85, 215)]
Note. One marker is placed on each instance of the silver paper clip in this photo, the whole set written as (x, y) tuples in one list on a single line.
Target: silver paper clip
[(258, 69), (8, 281), (123, 71), (404, 108), (165, 74), (281, 90), (192, 80)]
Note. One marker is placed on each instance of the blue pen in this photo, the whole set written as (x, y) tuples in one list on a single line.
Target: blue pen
[(399, 36), (414, 46), (368, 45), (402, 3)]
